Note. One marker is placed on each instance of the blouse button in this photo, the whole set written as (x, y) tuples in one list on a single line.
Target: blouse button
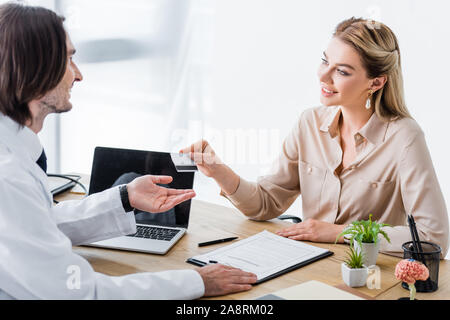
[(374, 185), (310, 170)]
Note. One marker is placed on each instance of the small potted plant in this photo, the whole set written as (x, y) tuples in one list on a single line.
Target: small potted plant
[(364, 235), (354, 272)]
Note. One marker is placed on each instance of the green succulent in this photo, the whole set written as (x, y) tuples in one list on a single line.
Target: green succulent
[(365, 231), (355, 259)]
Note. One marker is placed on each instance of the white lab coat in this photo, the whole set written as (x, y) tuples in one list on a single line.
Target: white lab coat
[(36, 238)]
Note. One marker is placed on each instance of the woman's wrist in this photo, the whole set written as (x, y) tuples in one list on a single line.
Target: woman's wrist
[(227, 180)]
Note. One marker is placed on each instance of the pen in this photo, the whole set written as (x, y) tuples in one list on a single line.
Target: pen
[(197, 262), (416, 240), (203, 244)]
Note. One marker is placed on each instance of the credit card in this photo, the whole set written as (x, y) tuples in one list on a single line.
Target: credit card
[(183, 163)]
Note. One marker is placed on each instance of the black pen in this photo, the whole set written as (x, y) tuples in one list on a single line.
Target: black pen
[(203, 244), (416, 240)]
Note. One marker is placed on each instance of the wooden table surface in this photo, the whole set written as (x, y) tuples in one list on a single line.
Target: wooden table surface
[(209, 221)]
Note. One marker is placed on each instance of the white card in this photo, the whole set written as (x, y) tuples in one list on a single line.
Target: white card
[(183, 163)]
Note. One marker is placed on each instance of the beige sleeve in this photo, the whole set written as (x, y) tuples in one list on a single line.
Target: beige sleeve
[(273, 194), (422, 198)]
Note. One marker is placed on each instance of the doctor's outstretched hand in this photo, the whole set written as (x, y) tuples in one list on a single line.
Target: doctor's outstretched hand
[(144, 194)]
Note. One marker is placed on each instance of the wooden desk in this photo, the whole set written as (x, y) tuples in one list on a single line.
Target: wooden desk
[(209, 221)]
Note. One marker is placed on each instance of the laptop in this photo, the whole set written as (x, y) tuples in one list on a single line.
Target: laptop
[(156, 232)]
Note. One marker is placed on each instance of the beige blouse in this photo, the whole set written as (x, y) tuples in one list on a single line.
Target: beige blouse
[(392, 176)]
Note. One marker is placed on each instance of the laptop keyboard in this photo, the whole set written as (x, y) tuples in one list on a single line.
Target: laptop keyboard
[(154, 233)]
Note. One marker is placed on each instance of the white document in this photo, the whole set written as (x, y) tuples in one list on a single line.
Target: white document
[(264, 254)]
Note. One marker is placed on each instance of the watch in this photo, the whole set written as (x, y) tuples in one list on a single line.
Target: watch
[(346, 240), (347, 237), (125, 199)]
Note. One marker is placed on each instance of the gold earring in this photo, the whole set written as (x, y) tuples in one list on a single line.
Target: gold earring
[(368, 102)]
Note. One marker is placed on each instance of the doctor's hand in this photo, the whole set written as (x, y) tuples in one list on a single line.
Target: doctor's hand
[(313, 230), (145, 195), (211, 166), (220, 280)]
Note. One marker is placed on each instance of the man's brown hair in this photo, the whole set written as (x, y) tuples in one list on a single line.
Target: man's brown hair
[(33, 57)]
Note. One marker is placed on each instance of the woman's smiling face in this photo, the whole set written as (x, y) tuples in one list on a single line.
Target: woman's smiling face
[(343, 79)]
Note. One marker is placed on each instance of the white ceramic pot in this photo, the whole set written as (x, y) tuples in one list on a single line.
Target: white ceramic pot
[(370, 252), (354, 277)]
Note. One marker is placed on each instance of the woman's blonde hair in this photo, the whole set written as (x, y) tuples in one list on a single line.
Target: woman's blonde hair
[(378, 48)]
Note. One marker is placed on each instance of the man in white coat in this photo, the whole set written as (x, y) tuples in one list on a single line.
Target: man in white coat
[(36, 238)]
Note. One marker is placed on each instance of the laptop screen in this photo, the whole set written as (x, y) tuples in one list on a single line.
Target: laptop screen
[(112, 167)]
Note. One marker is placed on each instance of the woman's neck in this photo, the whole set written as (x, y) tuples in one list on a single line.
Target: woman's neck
[(352, 120)]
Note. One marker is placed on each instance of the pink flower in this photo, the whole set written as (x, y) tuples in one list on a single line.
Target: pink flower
[(410, 271)]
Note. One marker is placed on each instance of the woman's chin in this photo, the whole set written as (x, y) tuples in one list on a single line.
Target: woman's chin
[(328, 102)]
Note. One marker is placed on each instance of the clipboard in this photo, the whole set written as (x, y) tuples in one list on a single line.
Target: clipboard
[(311, 254)]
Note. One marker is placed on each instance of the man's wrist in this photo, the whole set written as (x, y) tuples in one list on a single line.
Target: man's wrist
[(124, 197)]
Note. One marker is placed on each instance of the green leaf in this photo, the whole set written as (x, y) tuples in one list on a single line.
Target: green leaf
[(366, 231), (385, 236), (354, 258)]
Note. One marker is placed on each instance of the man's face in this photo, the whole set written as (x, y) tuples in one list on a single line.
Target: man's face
[(57, 100)]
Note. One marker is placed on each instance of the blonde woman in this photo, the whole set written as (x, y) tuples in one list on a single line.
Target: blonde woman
[(359, 153)]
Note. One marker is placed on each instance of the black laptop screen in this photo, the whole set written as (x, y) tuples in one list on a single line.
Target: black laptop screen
[(112, 167)]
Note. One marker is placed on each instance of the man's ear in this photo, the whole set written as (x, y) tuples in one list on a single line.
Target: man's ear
[(378, 83)]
